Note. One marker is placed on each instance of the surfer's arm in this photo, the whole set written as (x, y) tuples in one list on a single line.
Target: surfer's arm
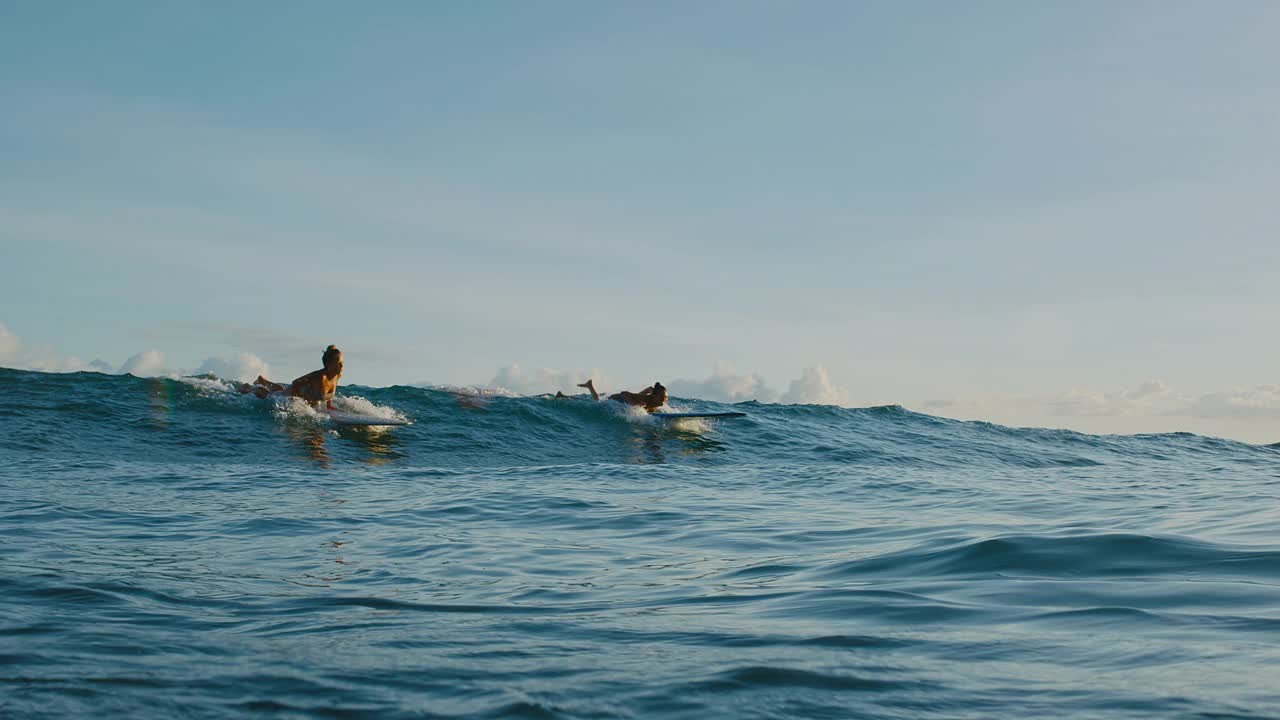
[(308, 387)]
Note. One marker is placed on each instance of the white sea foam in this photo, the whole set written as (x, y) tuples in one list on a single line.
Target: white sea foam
[(640, 416), (487, 391), (814, 387), (362, 406), (208, 384), (292, 409), (296, 410)]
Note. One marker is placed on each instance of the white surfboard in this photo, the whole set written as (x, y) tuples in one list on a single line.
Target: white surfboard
[(342, 417)]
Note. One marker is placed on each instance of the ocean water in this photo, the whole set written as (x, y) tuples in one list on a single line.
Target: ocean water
[(171, 550)]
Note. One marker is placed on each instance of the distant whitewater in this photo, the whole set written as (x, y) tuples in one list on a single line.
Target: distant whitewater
[(173, 549)]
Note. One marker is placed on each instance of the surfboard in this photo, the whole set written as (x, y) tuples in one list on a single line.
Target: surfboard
[(683, 416), (342, 417)]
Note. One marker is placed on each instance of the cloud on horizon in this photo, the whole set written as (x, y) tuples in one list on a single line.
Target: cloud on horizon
[(148, 363), (543, 380), (244, 366), (814, 387), (1150, 399), (9, 344), (1259, 401), (16, 354), (725, 385)]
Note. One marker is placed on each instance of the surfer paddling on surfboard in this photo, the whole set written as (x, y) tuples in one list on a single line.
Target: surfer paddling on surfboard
[(314, 387), (650, 398)]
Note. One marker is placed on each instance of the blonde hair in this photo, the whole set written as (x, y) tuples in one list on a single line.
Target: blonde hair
[(328, 353)]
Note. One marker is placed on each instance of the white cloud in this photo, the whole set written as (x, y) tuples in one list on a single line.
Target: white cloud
[(151, 363), (725, 385), (1250, 413), (145, 364), (15, 354), (1147, 397), (814, 387), (517, 379), (55, 364), (245, 366), (9, 344), (1259, 401)]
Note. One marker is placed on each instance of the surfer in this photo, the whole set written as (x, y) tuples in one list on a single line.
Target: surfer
[(315, 387), (650, 398)]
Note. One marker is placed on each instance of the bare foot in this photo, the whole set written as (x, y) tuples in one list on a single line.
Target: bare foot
[(592, 387)]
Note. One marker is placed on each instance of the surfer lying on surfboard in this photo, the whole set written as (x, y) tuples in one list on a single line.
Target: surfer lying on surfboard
[(650, 398), (315, 387)]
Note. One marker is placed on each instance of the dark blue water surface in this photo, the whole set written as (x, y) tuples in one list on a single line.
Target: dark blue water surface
[(171, 550)]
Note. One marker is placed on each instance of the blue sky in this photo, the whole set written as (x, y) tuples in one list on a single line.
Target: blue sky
[(1024, 212)]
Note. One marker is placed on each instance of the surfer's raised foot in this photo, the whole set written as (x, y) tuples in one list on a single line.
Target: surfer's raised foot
[(590, 385)]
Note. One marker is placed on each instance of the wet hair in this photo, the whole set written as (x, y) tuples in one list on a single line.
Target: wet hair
[(657, 398), (329, 352)]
